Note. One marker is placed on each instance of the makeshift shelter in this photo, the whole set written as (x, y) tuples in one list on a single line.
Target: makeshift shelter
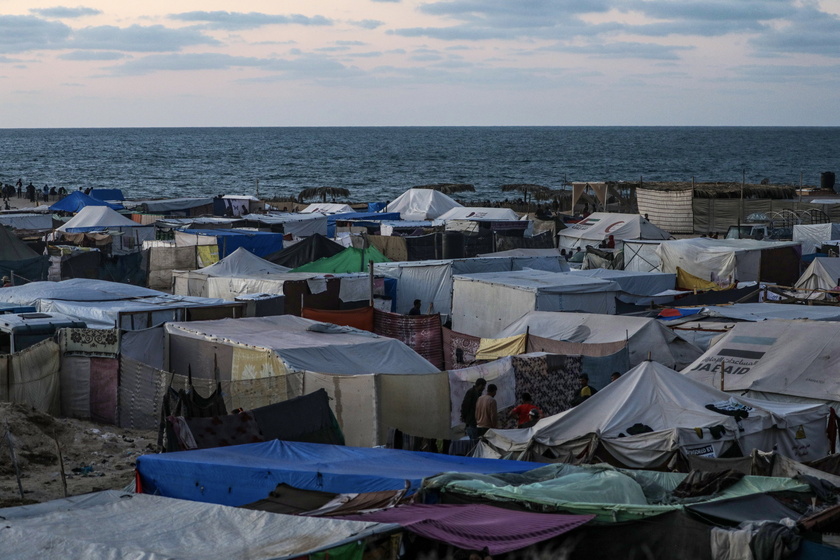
[(640, 288), (652, 414), (791, 361), (102, 304), (305, 251), (127, 235), (77, 200), (26, 221), (327, 208), (235, 205), (479, 214), (240, 264), (766, 311), (258, 242), (726, 261), (192, 206), (20, 262), (641, 256), (421, 204), (644, 337), (821, 275), (349, 260), (111, 524), (812, 236), (242, 474), (430, 281), (484, 303), (299, 226), (599, 226)]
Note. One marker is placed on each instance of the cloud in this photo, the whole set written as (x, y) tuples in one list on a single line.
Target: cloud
[(7, 60), (809, 31), (250, 20), (351, 43), (184, 62), (388, 1), (25, 33), (64, 12), (136, 38), (92, 55), (625, 50), (367, 23), (783, 74)]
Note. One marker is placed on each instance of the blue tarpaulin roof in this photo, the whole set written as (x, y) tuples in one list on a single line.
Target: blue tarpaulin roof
[(261, 243), (242, 474), (76, 200)]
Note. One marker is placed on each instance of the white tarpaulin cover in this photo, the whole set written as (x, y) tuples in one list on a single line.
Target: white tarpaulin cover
[(480, 214), (27, 221), (91, 218), (652, 411), (822, 274), (305, 345), (636, 287), (242, 262), (484, 303), (431, 281), (640, 256), (643, 335), (719, 260), (327, 208), (297, 225), (812, 236), (110, 525), (765, 311), (421, 204), (599, 226), (790, 360)]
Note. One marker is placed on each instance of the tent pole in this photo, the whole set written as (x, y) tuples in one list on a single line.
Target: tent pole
[(370, 267)]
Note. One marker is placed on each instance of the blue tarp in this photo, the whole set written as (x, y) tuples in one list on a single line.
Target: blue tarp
[(368, 216), (107, 194), (241, 474), (77, 200), (261, 243), (376, 206)]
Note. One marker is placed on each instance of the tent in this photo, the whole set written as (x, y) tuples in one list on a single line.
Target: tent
[(479, 214), (327, 208), (822, 274), (349, 260), (127, 235), (765, 311), (26, 221), (780, 360), (599, 226), (240, 264), (812, 236), (167, 205), (421, 204), (645, 337), (111, 524), (636, 287), (298, 226), (725, 261), (641, 256), (77, 200), (229, 240), (305, 251), (242, 474), (652, 413), (103, 304), (19, 261), (484, 303), (431, 281)]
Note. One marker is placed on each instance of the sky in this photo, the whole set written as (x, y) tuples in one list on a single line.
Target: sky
[(416, 63)]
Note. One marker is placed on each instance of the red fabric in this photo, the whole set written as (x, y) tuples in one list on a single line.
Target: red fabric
[(421, 333), (356, 318), (522, 412), (474, 526), (104, 376)]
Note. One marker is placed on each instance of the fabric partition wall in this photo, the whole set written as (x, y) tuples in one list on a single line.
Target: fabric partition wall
[(140, 395), (459, 350), (414, 404), (421, 333), (670, 210), (75, 386), (355, 404), (89, 373), (31, 377), (551, 380), (362, 318), (104, 378), (146, 346)]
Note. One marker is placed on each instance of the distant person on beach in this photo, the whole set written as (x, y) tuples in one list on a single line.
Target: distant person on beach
[(62, 192), (523, 411), (585, 391), (30, 192), (87, 190), (46, 191), (416, 309), (20, 188), (468, 407), (486, 411)]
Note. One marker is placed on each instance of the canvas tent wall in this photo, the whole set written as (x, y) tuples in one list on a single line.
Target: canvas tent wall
[(421, 204), (239, 264), (484, 303), (725, 261), (636, 287), (822, 274), (258, 242), (766, 311), (599, 226), (431, 281), (299, 226), (793, 361), (812, 236), (645, 337), (641, 256), (652, 413), (670, 210), (127, 235)]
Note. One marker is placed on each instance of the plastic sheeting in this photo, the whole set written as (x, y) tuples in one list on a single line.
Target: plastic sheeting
[(812, 236), (77, 200), (766, 311), (140, 394), (243, 474), (111, 525), (822, 274), (641, 256), (599, 226), (495, 348), (361, 318), (31, 377), (27, 221), (260, 243), (93, 218), (421, 204), (636, 287), (349, 260), (479, 214)]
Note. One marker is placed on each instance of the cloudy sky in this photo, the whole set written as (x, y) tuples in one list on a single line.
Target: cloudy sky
[(409, 62)]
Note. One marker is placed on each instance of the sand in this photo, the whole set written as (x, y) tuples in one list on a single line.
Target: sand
[(96, 456)]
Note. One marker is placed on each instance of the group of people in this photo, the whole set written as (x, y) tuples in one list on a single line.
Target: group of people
[(31, 192)]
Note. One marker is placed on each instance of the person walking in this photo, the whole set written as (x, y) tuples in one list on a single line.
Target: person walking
[(468, 407), (522, 412), (486, 411)]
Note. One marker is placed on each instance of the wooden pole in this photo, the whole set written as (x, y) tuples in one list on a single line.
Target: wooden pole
[(370, 268), (14, 459)]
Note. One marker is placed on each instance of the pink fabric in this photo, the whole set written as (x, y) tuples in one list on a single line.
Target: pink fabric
[(104, 375), (476, 526)]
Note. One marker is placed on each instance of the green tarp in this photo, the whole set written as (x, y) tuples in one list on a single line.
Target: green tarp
[(349, 260)]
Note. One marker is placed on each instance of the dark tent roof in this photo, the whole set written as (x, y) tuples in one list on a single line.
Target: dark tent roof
[(12, 248), (308, 250), (76, 200)]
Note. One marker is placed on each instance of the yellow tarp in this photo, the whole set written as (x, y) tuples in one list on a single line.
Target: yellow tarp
[(686, 281), (495, 348), (207, 255)]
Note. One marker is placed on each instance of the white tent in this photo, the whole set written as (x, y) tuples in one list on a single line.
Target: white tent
[(822, 274), (599, 226), (653, 412), (793, 361), (421, 204), (110, 524), (480, 214), (483, 304), (640, 256), (645, 337), (431, 281), (812, 236), (726, 260), (765, 311), (128, 235), (240, 264), (327, 208)]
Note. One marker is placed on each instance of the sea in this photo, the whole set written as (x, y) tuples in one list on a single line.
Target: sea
[(380, 163)]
